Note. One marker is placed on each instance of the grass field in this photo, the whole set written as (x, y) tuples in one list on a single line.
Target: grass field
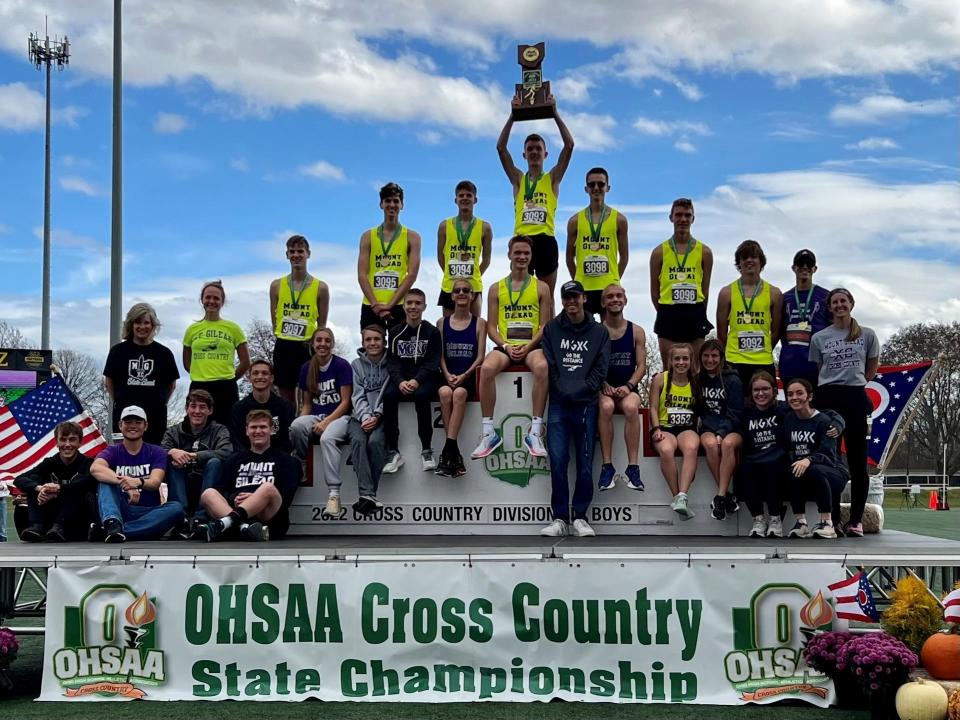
[(26, 673)]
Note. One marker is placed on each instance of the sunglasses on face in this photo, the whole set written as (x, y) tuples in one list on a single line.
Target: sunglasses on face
[(598, 184), (461, 291)]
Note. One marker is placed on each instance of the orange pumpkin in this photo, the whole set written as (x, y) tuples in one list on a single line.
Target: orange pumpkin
[(941, 655)]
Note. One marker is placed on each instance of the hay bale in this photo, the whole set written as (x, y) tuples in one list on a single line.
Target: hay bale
[(872, 517)]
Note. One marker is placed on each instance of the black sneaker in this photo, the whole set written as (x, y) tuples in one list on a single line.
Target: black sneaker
[(113, 531), (363, 507), (444, 467), (457, 468), (207, 532), (183, 531), (56, 534), (255, 532), (94, 533), (718, 507), (733, 505), (33, 533)]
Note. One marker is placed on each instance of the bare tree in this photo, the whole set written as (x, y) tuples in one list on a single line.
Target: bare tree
[(653, 367), (81, 373), (936, 423), (260, 340), (177, 401), (12, 338)]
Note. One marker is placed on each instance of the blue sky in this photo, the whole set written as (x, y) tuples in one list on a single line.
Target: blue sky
[(829, 125)]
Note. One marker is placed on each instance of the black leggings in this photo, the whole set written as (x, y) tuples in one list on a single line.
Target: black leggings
[(757, 482), (822, 483), (852, 404)]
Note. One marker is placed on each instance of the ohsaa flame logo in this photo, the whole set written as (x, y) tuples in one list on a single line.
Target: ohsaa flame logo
[(141, 611), (817, 612)]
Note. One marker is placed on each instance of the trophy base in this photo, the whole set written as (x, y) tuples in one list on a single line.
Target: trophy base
[(532, 112)]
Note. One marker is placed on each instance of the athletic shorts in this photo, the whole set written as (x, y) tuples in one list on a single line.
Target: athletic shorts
[(288, 357), (593, 303), (369, 317), (682, 323), (546, 257), (746, 372), (675, 431), (470, 385), (445, 299)]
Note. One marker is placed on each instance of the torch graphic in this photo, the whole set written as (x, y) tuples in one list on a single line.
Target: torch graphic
[(140, 613), (816, 613)]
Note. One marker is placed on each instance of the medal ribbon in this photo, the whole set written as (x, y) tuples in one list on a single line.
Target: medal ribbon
[(595, 231), (802, 306), (385, 247), (529, 185), (508, 281), (690, 244), (294, 294), (748, 304), (464, 237)]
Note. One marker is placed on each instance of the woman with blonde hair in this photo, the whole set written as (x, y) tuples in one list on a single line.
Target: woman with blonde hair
[(847, 356), (140, 371), (209, 348)]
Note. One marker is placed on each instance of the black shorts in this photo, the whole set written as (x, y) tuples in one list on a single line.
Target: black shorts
[(746, 371), (445, 299), (369, 317), (546, 257), (288, 357), (682, 323), (470, 385), (593, 303), (675, 431)]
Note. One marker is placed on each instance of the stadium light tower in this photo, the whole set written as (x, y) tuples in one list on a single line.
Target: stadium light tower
[(47, 52)]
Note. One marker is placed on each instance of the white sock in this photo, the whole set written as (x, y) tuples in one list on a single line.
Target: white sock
[(535, 423), (226, 522), (487, 425), (334, 492), (801, 518)]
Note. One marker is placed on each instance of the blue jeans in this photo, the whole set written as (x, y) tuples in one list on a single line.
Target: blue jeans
[(566, 423), (139, 522), (177, 479)]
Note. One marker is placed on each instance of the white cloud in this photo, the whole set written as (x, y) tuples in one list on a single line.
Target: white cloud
[(685, 146), (322, 170), (430, 137), (240, 164), (170, 124), (649, 126), (873, 143), (572, 89), (882, 108), (22, 109), (74, 183)]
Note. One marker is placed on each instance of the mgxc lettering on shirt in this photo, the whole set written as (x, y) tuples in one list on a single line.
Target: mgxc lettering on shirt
[(762, 423), (803, 436), (411, 348), (576, 345)]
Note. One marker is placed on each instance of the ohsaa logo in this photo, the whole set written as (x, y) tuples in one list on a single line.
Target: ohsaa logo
[(511, 462), (768, 663), (110, 644)]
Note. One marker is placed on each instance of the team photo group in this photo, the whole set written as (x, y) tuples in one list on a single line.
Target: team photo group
[(231, 468)]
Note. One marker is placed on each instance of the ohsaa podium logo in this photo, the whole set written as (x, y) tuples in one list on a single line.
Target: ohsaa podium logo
[(767, 663), (110, 644), (511, 462)]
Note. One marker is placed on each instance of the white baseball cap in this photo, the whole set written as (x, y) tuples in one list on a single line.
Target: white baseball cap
[(133, 411)]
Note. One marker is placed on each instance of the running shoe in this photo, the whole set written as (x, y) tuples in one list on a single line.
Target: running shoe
[(558, 528), (759, 528), (113, 531), (333, 506), (633, 477), (457, 468), (427, 460), (394, 462), (534, 445), (854, 530), (800, 530), (581, 528), (33, 533), (679, 506), (208, 532), (56, 534), (608, 479), (718, 507), (733, 505), (488, 443), (775, 528), (823, 530), (444, 468), (255, 532)]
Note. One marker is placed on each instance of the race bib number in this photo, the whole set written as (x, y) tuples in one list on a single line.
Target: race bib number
[(798, 333), (749, 340), (461, 269), (595, 266), (679, 417), (386, 281), (294, 327), (519, 331), (683, 294), (534, 216)]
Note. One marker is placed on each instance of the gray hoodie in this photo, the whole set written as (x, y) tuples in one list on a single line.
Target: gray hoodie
[(369, 381), (213, 441)]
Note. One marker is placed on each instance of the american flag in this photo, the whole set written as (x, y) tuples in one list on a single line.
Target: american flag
[(951, 607), (27, 425), (854, 599), (889, 392)]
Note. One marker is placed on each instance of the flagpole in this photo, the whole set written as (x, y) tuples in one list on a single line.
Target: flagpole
[(891, 450)]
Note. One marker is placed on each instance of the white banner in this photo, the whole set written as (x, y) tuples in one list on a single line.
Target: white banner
[(444, 631)]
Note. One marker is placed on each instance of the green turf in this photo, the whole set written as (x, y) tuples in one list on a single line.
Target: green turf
[(935, 523)]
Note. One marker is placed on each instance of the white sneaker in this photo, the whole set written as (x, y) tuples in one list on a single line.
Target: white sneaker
[(394, 463), (534, 445), (333, 506), (426, 458), (558, 528), (679, 506), (488, 443), (759, 528), (581, 528), (775, 528)]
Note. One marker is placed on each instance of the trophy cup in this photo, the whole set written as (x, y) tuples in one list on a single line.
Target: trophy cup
[(533, 91)]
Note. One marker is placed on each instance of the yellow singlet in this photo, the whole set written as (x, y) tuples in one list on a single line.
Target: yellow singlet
[(676, 411), (535, 216), (388, 264), (682, 286), (296, 316), (462, 262), (748, 336), (597, 255), (519, 317)]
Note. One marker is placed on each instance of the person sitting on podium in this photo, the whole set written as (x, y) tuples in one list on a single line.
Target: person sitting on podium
[(518, 307)]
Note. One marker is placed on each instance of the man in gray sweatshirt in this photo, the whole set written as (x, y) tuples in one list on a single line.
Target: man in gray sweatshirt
[(577, 349), (368, 445)]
